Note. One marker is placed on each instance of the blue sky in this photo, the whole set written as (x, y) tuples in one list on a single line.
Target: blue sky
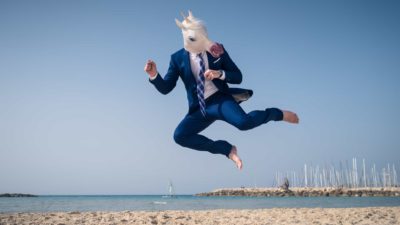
[(78, 115)]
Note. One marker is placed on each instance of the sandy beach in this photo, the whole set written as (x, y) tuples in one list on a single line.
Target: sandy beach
[(283, 216)]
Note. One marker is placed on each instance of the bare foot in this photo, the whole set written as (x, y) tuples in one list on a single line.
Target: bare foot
[(290, 117), (235, 158)]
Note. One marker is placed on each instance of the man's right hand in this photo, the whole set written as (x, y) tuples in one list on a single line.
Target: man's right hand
[(151, 68)]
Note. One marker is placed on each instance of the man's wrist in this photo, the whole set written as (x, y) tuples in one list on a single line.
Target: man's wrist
[(153, 77), (221, 75)]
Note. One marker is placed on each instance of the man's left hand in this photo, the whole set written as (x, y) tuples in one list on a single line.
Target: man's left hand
[(212, 74)]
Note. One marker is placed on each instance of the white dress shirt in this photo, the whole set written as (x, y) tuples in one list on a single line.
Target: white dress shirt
[(209, 86)]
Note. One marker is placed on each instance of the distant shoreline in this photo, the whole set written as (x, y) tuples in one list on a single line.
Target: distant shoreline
[(305, 192), (16, 195)]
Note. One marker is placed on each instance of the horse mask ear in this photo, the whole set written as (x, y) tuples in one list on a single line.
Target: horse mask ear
[(179, 24), (190, 14)]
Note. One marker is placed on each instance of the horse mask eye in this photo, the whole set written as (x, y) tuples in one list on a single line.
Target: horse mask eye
[(192, 39)]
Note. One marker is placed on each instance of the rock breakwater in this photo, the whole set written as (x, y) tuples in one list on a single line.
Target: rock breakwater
[(306, 192), (17, 195)]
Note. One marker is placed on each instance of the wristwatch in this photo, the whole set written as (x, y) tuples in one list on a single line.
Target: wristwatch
[(220, 73)]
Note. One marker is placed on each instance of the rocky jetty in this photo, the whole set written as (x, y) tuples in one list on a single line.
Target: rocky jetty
[(305, 192), (17, 195)]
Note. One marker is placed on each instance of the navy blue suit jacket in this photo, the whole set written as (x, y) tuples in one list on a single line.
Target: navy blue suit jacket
[(179, 66)]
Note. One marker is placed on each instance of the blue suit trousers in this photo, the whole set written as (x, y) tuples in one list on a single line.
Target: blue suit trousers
[(220, 106)]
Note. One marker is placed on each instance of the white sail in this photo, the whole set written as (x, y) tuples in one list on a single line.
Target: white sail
[(171, 191)]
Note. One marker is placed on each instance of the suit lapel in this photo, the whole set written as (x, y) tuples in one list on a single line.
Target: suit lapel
[(188, 70), (215, 64), (212, 62)]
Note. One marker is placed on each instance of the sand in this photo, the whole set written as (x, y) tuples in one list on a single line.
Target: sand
[(281, 216)]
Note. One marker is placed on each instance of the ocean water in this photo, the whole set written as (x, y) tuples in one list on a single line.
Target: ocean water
[(180, 202)]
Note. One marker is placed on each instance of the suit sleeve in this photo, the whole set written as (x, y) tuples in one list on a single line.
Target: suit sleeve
[(167, 84), (232, 73)]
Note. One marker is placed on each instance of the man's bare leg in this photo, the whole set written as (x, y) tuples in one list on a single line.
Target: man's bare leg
[(290, 117), (235, 158)]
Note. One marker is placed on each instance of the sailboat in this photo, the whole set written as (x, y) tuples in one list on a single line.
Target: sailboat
[(171, 191)]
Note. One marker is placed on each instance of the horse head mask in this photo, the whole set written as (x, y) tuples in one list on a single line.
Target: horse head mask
[(195, 37)]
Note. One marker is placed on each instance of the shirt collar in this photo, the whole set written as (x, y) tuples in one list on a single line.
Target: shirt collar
[(194, 56)]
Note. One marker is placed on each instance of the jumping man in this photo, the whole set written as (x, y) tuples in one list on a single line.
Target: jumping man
[(206, 69)]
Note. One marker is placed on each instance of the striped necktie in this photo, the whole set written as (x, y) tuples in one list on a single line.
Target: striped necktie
[(200, 86)]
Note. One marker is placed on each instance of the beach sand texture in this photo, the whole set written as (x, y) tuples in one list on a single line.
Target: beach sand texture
[(282, 216)]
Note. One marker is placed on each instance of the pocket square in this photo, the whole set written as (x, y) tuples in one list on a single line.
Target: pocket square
[(217, 60)]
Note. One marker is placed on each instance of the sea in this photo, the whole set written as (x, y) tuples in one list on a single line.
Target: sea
[(115, 203)]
